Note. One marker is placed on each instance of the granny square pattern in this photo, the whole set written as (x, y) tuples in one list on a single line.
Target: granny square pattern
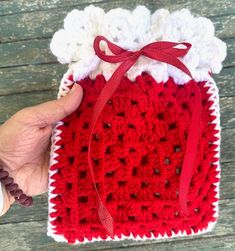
[(157, 136)]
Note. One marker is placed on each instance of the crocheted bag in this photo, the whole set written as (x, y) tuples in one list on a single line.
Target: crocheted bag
[(139, 158)]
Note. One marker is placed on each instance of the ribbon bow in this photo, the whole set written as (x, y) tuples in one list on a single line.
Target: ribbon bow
[(163, 51)]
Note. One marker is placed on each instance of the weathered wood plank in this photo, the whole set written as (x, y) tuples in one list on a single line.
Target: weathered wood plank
[(224, 26), (12, 103), (22, 237), (225, 81), (227, 183), (14, 7), (37, 51), (205, 7), (230, 58), (38, 211), (30, 78), (198, 244), (227, 145), (31, 71), (26, 52), (42, 24), (227, 105)]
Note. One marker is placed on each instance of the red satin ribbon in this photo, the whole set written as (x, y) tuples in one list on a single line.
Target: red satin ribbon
[(163, 51), (191, 150)]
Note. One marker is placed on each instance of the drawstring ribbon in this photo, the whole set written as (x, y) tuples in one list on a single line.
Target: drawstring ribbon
[(163, 51)]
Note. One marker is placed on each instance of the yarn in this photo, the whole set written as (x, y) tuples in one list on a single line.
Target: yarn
[(137, 150), (139, 142), (162, 51), (132, 30)]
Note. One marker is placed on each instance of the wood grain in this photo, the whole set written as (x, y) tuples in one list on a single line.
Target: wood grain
[(204, 7), (31, 78), (26, 52), (43, 77), (33, 234), (227, 105), (37, 51), (42, 24), (13, 103), (38, 212), (227, 146), (30, 74)]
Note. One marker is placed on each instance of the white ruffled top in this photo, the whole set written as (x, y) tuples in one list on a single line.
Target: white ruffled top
[(73, 45)]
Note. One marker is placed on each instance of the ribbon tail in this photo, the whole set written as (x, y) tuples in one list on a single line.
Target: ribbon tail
[(105, 218), (108, 90), (104, 215), (171, 60), (168, 47), (191, 151)]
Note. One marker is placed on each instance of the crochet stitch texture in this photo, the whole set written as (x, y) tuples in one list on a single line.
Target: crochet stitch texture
[(132, 30), (140, 137), (137, 151)]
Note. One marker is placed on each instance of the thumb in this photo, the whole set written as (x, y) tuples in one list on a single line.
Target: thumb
[(52, 111)]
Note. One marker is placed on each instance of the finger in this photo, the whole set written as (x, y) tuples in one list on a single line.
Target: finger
[(52, 111)]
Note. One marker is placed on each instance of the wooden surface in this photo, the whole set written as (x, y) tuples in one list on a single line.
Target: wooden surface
[(30, 75)]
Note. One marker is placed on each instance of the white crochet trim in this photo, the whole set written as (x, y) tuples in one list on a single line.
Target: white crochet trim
[(64, 89), (132, 30)]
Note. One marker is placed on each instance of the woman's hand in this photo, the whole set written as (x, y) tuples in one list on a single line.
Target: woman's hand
[(25, 143)]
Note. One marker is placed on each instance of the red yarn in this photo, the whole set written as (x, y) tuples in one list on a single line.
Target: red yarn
[(163, 51), (137, 150)]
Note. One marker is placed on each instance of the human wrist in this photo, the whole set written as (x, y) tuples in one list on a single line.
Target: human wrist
[(5, 160), (11, 190)]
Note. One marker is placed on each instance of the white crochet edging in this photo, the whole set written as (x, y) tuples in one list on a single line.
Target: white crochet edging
[(214, 97), (63, 90), (132, 30)]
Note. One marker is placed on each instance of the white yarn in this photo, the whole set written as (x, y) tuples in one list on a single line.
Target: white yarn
[(214, 108), (132, 30)]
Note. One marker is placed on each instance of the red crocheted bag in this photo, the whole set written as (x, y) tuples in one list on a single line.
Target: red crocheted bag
[(139, 158)]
